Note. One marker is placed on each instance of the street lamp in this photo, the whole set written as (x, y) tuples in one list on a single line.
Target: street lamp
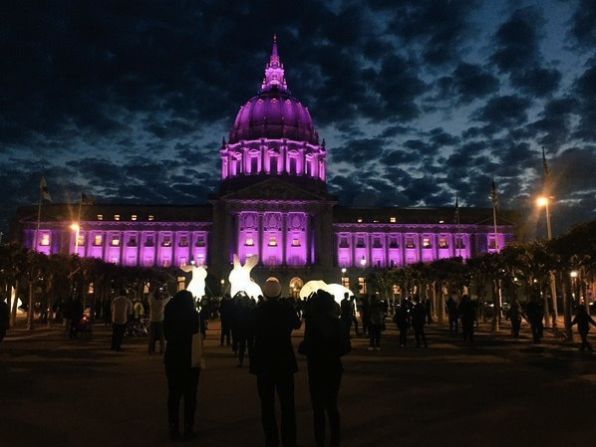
[(363, 262), (544, 201), (76, 228)]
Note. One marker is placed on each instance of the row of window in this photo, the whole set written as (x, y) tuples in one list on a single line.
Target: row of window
[(133, 217), (409, 243), (250, 242)]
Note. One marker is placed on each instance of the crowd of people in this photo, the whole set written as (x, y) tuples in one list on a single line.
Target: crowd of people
[(258, 332)]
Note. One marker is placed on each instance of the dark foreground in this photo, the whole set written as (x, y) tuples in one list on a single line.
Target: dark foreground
[(55, 392)]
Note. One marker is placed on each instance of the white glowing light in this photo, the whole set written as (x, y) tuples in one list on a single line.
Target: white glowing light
[(196, 286), (240, 280), (337, 290)]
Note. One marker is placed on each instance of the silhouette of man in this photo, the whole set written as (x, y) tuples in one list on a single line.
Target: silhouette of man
[(4, 318), (419, 315), (467, 312), (453, 316), (347, 313), (181, 322), (583, 321), (325, 341), (402, 321), (274, 364)]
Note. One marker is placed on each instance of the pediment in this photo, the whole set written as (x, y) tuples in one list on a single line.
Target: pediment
[(274, 189)]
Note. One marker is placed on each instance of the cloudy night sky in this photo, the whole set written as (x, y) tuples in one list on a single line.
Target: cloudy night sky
[(418, 101)]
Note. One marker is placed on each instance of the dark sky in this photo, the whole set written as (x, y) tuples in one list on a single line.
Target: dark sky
[(419, 101)]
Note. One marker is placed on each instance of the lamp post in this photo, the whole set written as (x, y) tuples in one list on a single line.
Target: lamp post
[(77, 229), (544, 201)]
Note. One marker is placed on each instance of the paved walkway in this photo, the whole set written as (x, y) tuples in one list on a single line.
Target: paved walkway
[(57, 392)]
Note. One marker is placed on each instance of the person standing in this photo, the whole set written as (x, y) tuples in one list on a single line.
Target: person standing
[(121, 311), (467, 312), (515, 316), (4, 318), (76, 313), (347, 313), (325, 341), (181, 322), (583, 321), (419, 315), (402, 321), (535, 314), (453, 316), (157, 303), (225, 317), (376, 323), (245, 328), (274, 364)]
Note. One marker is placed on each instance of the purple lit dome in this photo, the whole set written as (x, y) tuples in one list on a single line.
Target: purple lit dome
[(274, 112)]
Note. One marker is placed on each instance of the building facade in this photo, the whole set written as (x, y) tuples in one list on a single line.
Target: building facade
[(272, 202)]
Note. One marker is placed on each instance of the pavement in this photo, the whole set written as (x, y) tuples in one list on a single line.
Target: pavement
[(60, 392)]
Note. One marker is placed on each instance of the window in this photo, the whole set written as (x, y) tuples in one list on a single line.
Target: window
[(377, 243), (272, 242), (426, 243), (443, 242), (98, 240), (166, 241), (492, 243), (81, 240), (295, 242), (45, 240), (116, 216), (183, 242), (134, 217), (392, 219), (343, 242), (410, 243), (362, 285), (254, 165), (149, 242), (200, 242), (249, 242), (151, 217), (132, 242), (393, 243), (459, 243), (360, 242), (345, 281), (100, 217), (115, 241)]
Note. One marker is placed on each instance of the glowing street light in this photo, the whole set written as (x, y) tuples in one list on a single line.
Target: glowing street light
[(544, 201), (363, 262), (76, 228), (573, 273)]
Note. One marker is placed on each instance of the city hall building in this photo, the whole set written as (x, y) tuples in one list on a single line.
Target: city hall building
[(272, 202)]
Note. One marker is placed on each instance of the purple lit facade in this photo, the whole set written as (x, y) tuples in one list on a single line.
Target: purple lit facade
[(273, 201)]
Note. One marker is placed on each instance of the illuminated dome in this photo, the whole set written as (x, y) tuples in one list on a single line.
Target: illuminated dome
[(273, 114), (273, 135)]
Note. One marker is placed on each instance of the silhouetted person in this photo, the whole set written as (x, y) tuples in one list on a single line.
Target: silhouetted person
[(157, 303), (274, 364), (76, 313), (365, 314), (181, 322), (402, 321), (453, 315), (347, 313), (121, 311), (4, 318), (376, 322), (515, 316), (325, 341), (467, 312), (225, 311), (583, 321), (245, 327), (429, 310), (535, 314), (419, 315)]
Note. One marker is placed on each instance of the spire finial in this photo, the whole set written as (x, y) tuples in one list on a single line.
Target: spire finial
[(274, 71)]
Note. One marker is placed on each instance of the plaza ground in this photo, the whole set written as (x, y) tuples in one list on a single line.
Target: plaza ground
[(57, 392)]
